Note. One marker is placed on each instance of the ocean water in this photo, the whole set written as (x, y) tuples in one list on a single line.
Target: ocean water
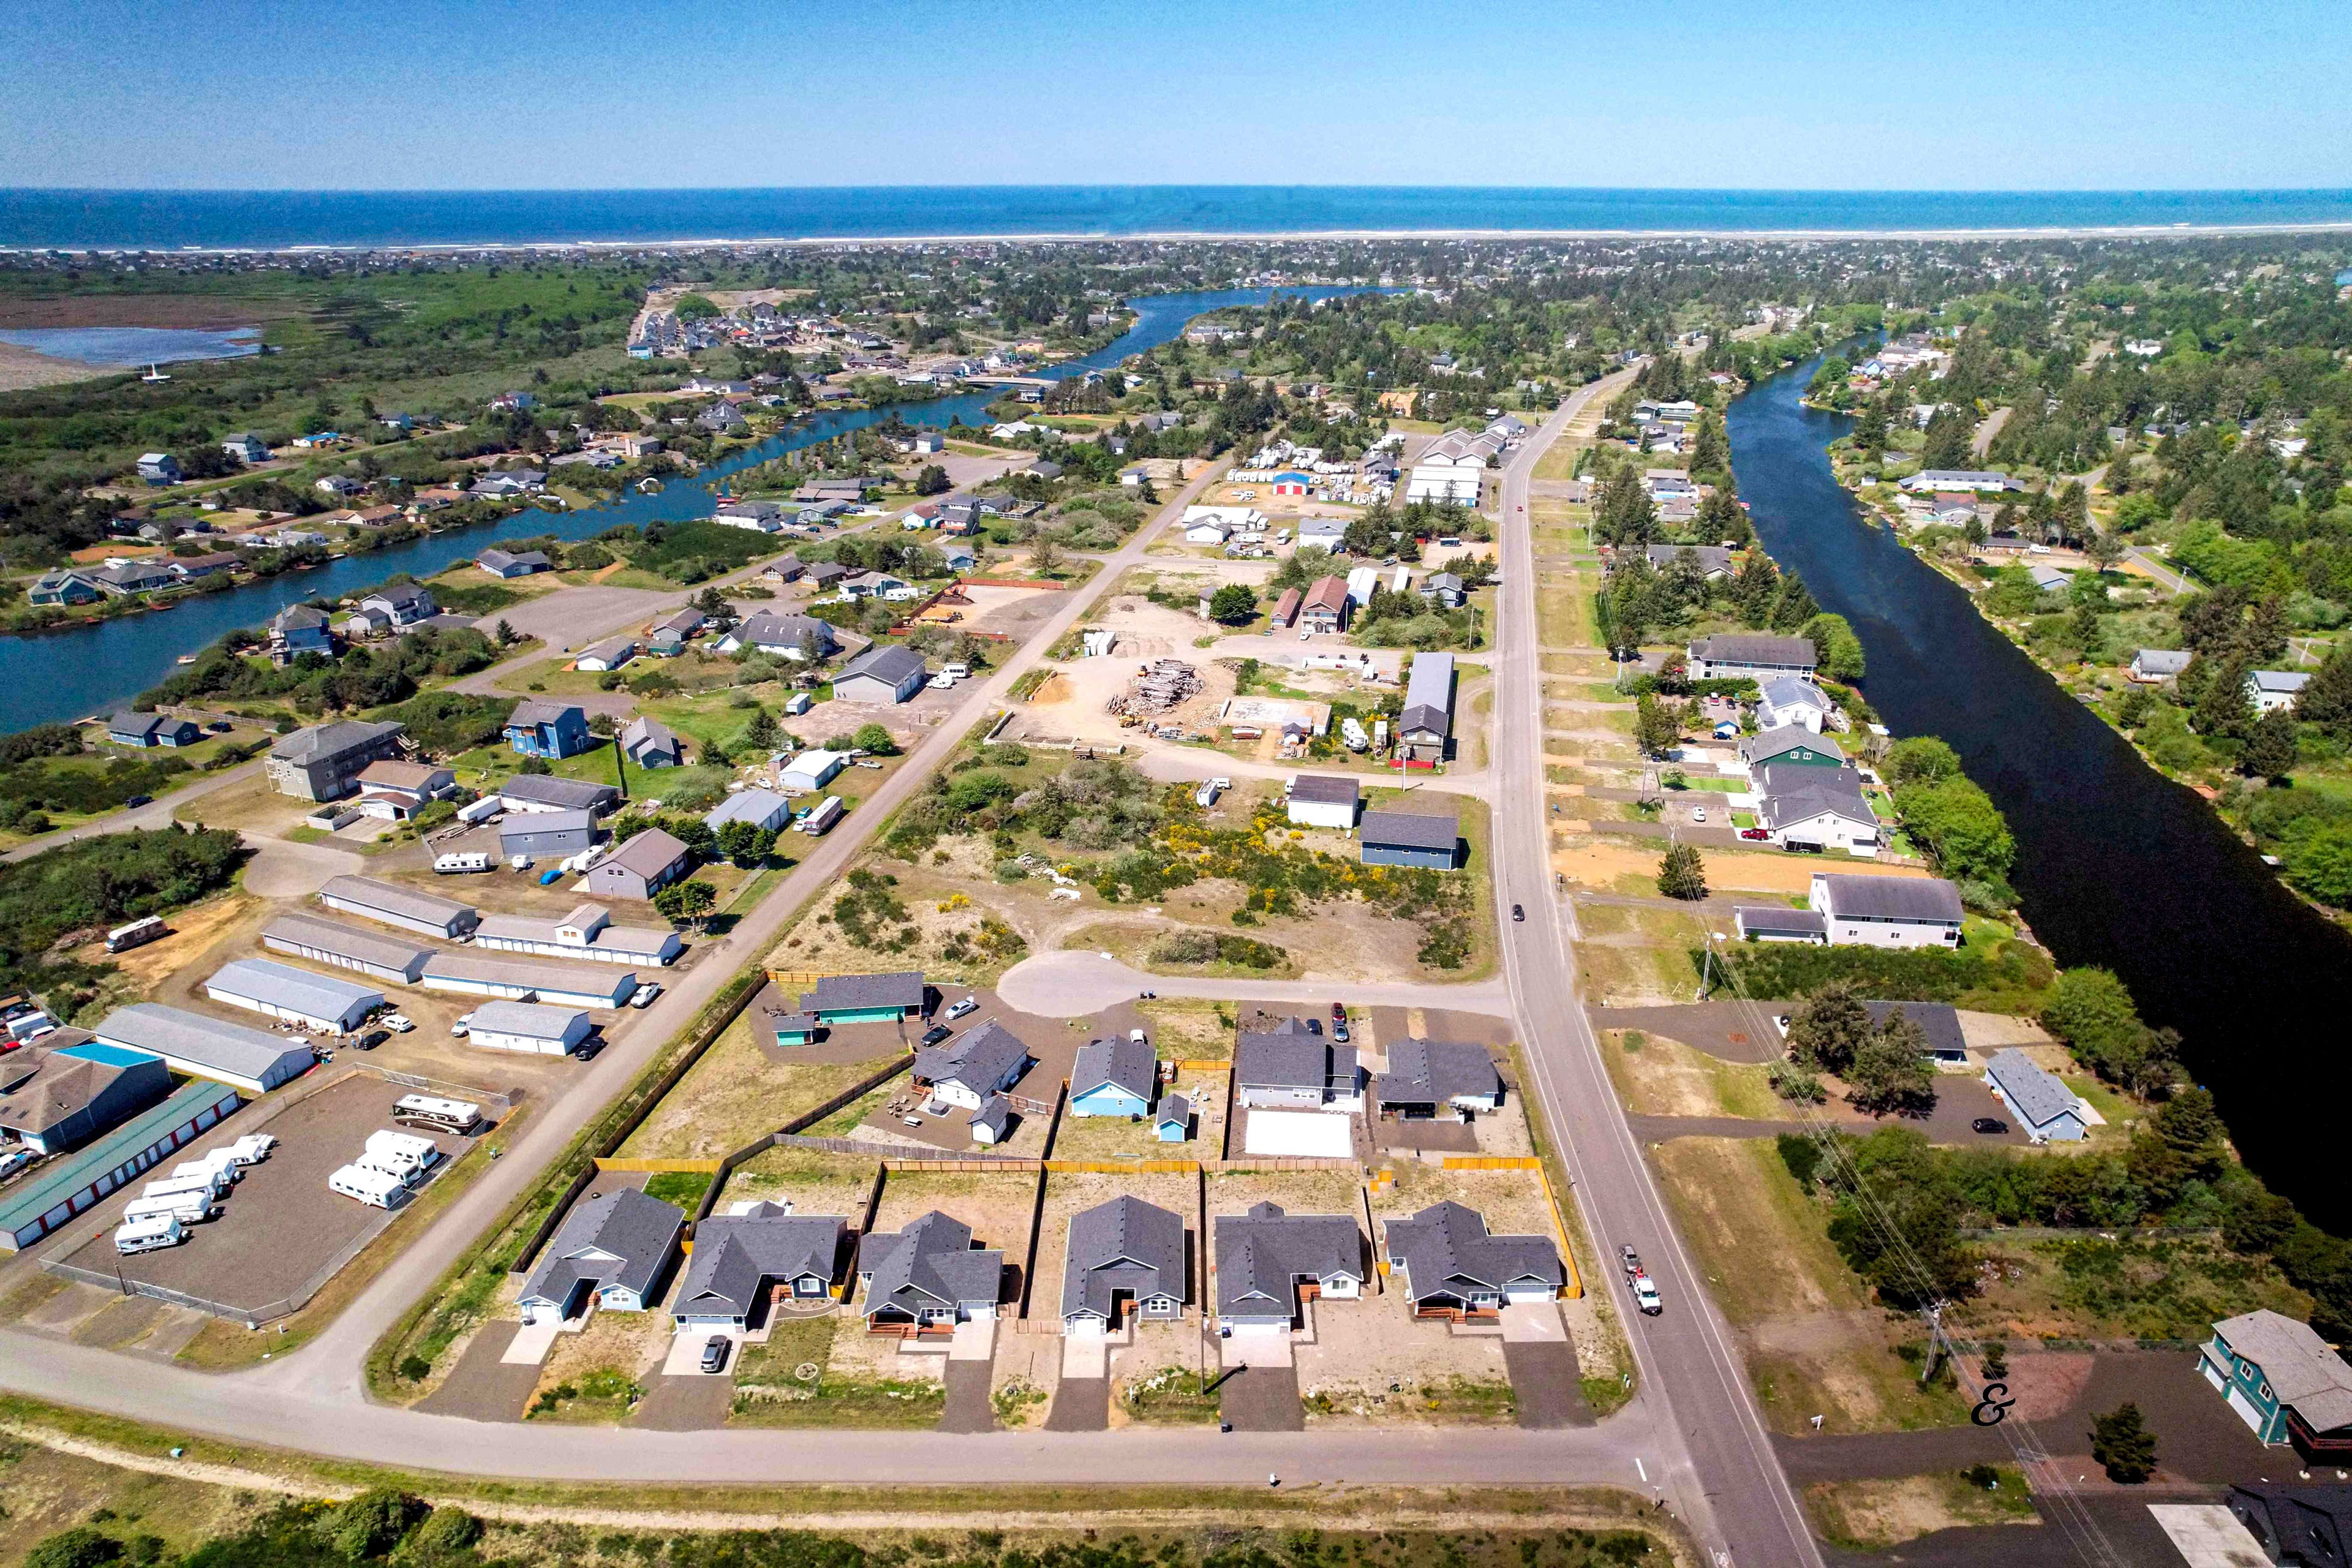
[(134, 345), (235, 220)]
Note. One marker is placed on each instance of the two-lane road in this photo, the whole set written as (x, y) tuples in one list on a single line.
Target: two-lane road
[(1727, 1481)]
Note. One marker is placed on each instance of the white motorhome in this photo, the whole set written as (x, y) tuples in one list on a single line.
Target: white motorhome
[(253, 1148), (188, 1207), (381, 1189), (457, 1116), (482, 810), (221, 1162), (402, 1154), (819, 822), (148, 1234), (459, 864), (211, 1186)]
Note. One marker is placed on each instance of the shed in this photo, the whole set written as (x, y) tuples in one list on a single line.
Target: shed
[(1173, 1124), (884, 673), (1774, 923), (644, 865), (1323, 800), (527, 1027), (763, 808)]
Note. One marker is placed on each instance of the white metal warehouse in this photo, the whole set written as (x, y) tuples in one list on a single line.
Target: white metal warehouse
[(515, 979), (526, 1027), (587, 932), (372, 953), (191, 1043), (394, 905), (294, 995)]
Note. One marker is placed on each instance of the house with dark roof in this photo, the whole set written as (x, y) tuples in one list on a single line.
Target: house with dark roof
[(1939, 1022), (1270, 1262), (797, 637), (1322, 800), (1126, 1257), (641, 867), (2296, 1526), (513, 564), (66, 1091), (613, 1251), (1431, 1078), (650, 743), (1451, 1266), (1805, 807), (2047, 1109), (927, 1278), (299, 629), (1790, 745), (884, 673), (1411, 839), (550, 730), (545, 792), (533, 834), (1713, 561), (1290, 1067), (1425, 724), (1889, 911), (973, 1066), (1118, 1077), (148, 730), (2285, 1383), (325, 760), (762, 1253), (866, 998), (1777, 923), (1749, 656)]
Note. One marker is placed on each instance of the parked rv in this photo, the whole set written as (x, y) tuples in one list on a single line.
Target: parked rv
[(381, 1189), (820, 821), (148, 1234), (137, 933), (457, 1116), (459, 865)]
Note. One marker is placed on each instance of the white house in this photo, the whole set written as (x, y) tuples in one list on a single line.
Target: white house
[(2155, 665), (1215, 524), (1322, 800), (1790, 700), (2276, 691), (1806, 806), (1888, 911)]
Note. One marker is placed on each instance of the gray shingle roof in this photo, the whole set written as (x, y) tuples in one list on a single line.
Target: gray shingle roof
[(1174, 1108), (567, 795), (1261, 1256), (983, 1059), (2037, 1096), (1755, 648), (1411, 829), (885, 661), (530, 710), (1282, 1060), (2298, 1365), (843, 993), (1324, 789), (1893, 898), (765, 628), (1939, 1021), (1435, 1071), (930, 1264), (1125, 1244), (1797, 792), (322, 741), (620, 1237), (1447, 1247), (648, 854), (734, 1253), (1126, 1064), (1776, 917)]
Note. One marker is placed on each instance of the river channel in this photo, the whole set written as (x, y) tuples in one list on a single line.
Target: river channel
[(75, 671), (2116, 865)]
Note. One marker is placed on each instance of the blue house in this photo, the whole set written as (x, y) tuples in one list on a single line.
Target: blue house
[(144, 729), (549, 730), (1113, 1077), (1174, 1122), (2283, 1381)]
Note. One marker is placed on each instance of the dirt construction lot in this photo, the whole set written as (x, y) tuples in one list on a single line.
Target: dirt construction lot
[(280, 1225)]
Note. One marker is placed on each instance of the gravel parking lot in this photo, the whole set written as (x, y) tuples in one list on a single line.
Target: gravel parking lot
[(280, 1225)]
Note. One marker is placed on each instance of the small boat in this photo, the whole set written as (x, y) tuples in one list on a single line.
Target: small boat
[(153, 374), (185, 658)]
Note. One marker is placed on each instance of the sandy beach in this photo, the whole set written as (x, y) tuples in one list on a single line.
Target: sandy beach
[(21, 368)]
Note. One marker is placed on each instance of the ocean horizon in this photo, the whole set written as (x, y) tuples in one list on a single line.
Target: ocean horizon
[(42, 219)]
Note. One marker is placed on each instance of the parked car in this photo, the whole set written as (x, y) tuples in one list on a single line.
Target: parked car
[(1137, 1036), (219, 726), (1699, 814), (1340, 1031), (1990, 1126), (969, 1004), (140, 800), (936, 1033), (1755, 833), (463, 1025), (714, 1352), (14, 1160), (645, 994), (372, 1039), (399, 1022), (1645, 1296)]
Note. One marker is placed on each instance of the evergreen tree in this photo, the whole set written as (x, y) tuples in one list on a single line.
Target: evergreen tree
[(1793, 606), (1759, 581), (1827, 1029), (2269, 747), (1948, 433), (760, 733), (2224, 711), (2123, 1446), (2326, 699), (1710, 451), (1682, 874), (1891, 1070)]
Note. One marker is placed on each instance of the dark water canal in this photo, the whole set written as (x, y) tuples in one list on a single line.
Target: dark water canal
[(2116, 865)]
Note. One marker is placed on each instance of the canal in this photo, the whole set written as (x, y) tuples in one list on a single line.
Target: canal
[(75, 671), (2116, 865)]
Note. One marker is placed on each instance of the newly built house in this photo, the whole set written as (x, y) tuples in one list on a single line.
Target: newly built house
[(613, 1251), (761, 1253), (1451, 1265), (1125, 1258), (928, 1277), (1269, 1262)]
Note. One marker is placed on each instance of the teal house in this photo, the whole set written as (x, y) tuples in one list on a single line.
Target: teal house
[(1792, 744), (1174, 1122), (866, 998), (798, 1030), (2283, 1382)]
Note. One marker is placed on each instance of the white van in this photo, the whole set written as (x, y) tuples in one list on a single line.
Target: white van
[(188, 1208), (456, 864), (148, 1234), (379, 1189), (253, 1148)]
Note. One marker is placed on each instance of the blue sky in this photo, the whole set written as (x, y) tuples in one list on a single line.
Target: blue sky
[(2052, 94)]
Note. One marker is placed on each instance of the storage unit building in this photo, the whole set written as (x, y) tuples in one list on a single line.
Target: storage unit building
[(552, 835), (372, 953), (293, 995), (191, 1043), (392, 905), (527, 1027), (520, 980), (34, 1208), (71, 1088), (586, 932)]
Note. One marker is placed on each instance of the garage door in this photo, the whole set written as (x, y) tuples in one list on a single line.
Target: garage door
[(2246, 1411)]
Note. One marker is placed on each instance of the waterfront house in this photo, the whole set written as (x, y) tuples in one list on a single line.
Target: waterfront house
[(1889, 911), (1806, 807), (1749, 656), (2285, 1382), (1790, 745), (2276, 691), (1790, 700), (2045, 1108), (509, 564), (1929, 481), (402, 603), (145, 729), (2155, 665), (65, 586)]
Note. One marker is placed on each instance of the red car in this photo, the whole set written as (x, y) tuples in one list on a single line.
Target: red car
[(1755, 833)]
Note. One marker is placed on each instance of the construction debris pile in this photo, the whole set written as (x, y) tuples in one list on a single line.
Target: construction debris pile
[(1157, 687)]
